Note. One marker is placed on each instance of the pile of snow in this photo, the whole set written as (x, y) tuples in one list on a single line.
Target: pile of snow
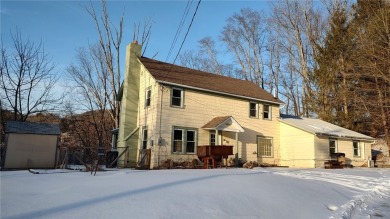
[(213, 193)]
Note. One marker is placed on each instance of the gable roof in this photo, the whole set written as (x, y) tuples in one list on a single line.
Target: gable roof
[(320, 127), (215, 122), (224, 123), (32, 128), (181, 76)]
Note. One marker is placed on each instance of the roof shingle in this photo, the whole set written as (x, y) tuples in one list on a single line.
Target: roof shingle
[(32, 128), (169, 73), (215, 122)]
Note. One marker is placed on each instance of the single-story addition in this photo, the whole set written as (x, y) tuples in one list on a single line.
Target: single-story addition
[(306, 142), (30, 145)]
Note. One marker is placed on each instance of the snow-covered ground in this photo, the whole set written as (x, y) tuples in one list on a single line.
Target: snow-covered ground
[(213, 193)]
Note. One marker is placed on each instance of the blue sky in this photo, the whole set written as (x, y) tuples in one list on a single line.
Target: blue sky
[(64, 26)]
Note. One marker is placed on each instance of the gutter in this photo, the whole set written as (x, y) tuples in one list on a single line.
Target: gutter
[(345, 137), (217, 92), (373, 140)]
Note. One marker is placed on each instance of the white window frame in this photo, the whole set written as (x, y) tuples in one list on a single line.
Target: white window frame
[(148, 97), (144, 138), (269, 112), (268, 150), (212, 139), (181, 97), (256, 109), (335, 146), (358, 149)]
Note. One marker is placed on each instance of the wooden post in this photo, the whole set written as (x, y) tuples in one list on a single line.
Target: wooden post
[(236, 155)]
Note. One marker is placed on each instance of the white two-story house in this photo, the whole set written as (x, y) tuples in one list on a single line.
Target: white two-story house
[(172, 109)]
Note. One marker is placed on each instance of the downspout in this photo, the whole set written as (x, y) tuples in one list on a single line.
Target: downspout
[(159, 137)]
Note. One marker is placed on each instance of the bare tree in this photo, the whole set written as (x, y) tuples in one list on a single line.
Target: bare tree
[(245, 35), (98, 70), (206, 59), (300, 28), (95, 80), (105, 57), (27, 79)]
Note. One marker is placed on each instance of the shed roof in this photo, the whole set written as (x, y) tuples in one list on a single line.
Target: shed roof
[(32, 128), (177, 75), (320, 127)]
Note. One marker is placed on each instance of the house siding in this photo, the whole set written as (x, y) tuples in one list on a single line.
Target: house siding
[(291, 146), (148, 115), (296, 147), (346, 146), (343, 146), (198, 109), (306, 150), (321, 150)]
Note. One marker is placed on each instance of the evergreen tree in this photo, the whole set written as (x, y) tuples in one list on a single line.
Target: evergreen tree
[(371, 27), (332, 76)]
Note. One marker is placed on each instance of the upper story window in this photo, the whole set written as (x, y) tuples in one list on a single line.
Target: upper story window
[(253, 110), (356, 149), (267, 112), (177, 97), (332, 146), (148, 95)]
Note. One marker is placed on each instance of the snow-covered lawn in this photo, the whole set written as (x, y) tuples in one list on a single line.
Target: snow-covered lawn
[(213, 193)]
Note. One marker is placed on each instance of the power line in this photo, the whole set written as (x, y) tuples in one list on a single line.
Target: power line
[(178, 31), (188, 30)]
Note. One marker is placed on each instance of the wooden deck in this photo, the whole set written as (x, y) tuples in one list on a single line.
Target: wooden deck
[(211, 155)]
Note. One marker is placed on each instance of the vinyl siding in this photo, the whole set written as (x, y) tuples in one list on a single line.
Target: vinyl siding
[(346, 146), (296, 147), (198, 109)]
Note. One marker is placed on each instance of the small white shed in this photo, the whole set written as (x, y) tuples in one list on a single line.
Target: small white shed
[(308, 143), (30, 145)]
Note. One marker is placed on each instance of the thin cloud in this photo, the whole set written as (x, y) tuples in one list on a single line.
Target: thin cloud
[(3, 11)]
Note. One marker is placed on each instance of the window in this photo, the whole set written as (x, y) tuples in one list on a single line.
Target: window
[(356, 149), (184, 141), (266, 112), (177, 97), (332, 146), (148, 95), (253, 107), (190, 143), (144, 138), (212, 139), (177, 140), (264, 146)]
